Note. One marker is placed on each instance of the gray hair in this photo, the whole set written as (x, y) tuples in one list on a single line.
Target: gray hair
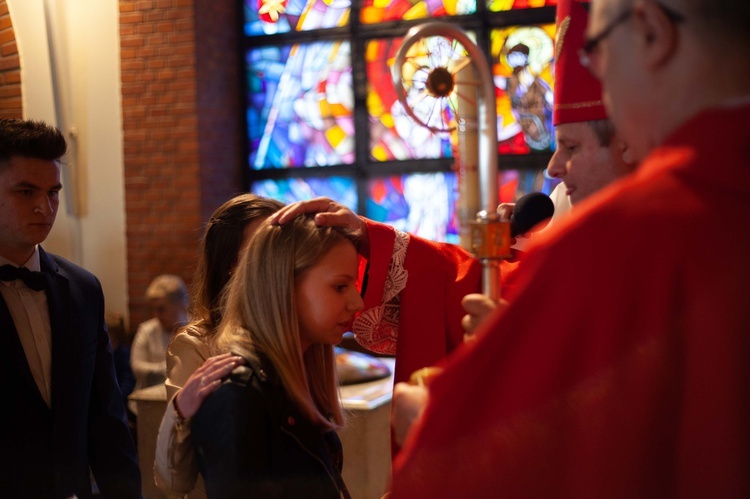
[(168, 286)]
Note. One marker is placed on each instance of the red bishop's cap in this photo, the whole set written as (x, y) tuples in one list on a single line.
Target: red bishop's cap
[(578, 95)]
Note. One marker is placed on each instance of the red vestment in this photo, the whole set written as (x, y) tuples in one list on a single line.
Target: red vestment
[(421, 323), (622, 366)]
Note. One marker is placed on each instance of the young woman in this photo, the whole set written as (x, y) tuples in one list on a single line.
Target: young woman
[(191, 374), (269, 429)]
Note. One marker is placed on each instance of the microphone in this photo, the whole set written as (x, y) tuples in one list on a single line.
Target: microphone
[(530, 210)]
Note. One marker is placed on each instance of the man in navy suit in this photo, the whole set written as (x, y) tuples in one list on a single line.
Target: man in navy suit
[(61, 413)]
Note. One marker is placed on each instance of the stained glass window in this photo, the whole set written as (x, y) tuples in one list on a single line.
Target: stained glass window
[(516, 183), (393, 134), (522, 59), (501, 5), (300, 105), (380, 11), (342, 189), (522, 68), (323, 117), (268, 17), (423, 204)]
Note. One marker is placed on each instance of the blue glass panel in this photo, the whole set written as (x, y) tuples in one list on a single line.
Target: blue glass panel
[(300, 105), (515, 183), (422, 204), (425, 204), (340, 189)]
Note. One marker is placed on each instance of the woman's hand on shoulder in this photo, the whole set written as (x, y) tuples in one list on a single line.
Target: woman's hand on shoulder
[(203, 382)]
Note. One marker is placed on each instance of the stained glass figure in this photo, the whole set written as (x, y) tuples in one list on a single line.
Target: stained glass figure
[(420, 203), (523, 59)]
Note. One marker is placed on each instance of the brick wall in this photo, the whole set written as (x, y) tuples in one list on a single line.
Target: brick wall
[(10, 68), (182, 131), (220, 119)]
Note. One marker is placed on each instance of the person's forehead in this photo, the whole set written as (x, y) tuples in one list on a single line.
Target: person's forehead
[(574, 132), (32, 171), (339, 258), (20, 160)]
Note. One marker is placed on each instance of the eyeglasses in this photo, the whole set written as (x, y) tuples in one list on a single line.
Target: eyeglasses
[(589, 46)]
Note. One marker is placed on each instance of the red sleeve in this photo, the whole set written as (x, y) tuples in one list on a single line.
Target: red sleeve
[(440, 275), (413, 298), (381, 238)]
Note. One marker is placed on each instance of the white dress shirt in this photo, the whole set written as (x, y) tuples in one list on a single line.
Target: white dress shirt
[(30, 314)]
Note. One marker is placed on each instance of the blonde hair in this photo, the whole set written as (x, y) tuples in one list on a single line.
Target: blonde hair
[(261, 314)]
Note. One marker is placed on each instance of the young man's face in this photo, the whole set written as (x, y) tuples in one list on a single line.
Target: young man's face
[(29, 197), (581, 162)]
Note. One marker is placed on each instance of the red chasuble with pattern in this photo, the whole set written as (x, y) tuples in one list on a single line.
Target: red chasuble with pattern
[(413, 297)]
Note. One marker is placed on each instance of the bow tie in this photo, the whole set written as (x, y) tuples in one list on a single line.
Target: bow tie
[(34, 280)]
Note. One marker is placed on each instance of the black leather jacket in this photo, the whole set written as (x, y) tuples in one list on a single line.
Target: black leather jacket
[(251, 441)]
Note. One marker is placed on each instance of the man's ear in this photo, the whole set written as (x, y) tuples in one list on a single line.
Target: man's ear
[(658, 33)]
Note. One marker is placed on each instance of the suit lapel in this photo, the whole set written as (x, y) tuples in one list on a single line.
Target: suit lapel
[(59, 304)]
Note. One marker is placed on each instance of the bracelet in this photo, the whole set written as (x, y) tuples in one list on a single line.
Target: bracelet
[(180, 422)]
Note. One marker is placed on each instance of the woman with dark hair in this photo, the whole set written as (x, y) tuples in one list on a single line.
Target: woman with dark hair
[(192, 374)]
